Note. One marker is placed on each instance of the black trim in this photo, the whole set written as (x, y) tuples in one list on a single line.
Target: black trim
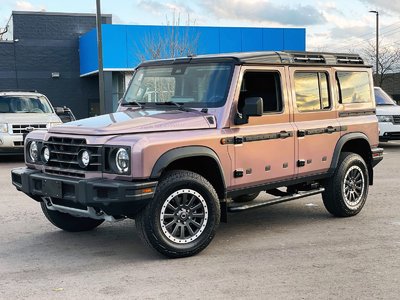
[(274, 184), (321, 130), (184, 152), (356, 113), (339, 145), (115, 197), (256, 137)]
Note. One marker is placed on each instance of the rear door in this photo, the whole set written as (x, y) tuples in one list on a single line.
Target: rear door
[(315, 119)]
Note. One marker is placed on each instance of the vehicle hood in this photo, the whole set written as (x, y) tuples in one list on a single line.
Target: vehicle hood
[(28, 118), (137, 121), (387, 110)]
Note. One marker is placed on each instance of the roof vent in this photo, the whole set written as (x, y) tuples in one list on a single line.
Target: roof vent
[(308, 58)]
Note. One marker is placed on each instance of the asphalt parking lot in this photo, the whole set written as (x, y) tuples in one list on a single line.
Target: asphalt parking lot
[(294, 250)]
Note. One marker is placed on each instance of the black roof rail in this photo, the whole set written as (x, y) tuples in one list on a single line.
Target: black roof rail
[(308, 58), (349, 59)]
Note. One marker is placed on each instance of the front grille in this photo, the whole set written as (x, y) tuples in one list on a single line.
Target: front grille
[(18, 143), (21, 128), (396, 119), (64, 157)]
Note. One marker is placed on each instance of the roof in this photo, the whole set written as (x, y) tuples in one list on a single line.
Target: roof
[(270, 57)]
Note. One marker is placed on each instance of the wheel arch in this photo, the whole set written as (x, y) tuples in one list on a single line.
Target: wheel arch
[(199, 159), (355, 142)]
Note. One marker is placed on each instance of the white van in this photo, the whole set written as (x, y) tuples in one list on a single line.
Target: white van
[(22, 112), (388, 113)]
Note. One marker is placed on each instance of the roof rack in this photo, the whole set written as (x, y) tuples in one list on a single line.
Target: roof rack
[(308, 58), (349, 59)]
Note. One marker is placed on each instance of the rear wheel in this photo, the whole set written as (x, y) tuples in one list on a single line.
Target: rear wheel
[(183, 216), (68, 222), (346, 192)]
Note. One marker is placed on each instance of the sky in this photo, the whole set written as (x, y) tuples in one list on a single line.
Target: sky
[(339, 26)]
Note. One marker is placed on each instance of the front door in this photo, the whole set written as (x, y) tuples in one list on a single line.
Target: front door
[(264, 148)]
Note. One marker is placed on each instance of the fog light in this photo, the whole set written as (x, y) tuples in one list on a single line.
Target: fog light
[(45, 154)]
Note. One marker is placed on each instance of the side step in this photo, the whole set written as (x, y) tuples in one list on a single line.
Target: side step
[(299, 195)]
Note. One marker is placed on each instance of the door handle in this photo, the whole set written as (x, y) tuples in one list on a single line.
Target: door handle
[(284, 134), (330, 129)]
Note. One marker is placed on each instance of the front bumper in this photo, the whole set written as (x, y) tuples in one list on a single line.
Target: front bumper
[(389, 131), (113, 197), (11, 144)]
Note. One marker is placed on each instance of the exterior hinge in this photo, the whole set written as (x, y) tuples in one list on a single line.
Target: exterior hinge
[(238, 173), (238, 140), (301, 163)]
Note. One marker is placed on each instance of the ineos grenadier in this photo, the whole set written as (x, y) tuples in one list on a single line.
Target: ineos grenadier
[(197, 137)]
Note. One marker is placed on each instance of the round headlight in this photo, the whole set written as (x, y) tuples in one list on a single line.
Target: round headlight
[(46, 154), (33, 151), (122, 160), (83, 158)]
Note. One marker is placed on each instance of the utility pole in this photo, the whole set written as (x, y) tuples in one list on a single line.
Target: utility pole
[(100, 59), (377, 40)]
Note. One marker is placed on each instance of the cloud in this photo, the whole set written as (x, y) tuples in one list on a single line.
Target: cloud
[(161, 8), (264, 11), (26, 5), (388, 5)]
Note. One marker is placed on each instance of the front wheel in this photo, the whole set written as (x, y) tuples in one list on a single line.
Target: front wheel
[(346, 192), (183, 216), (68, 222)]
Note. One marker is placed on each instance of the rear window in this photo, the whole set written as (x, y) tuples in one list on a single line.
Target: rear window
[(354, 87)]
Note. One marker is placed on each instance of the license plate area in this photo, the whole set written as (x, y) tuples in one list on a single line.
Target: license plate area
[(52, 188)]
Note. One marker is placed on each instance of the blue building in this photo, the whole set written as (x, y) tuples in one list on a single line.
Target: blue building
[(56, 53)]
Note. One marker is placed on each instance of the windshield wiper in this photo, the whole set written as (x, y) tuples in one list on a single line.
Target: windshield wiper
[(179, 106), (130, 103)]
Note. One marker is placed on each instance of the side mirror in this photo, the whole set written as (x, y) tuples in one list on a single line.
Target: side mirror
[(253, 107), (59, 110)]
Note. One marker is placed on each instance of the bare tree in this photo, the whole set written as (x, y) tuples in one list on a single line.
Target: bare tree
[(173, 41), (388, 60)]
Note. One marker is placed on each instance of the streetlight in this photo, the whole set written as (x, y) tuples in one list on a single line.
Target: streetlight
[(377, 39), (100, 58)]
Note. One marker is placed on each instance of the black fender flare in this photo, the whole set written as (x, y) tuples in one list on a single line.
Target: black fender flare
[(339, 146), (185, 152)]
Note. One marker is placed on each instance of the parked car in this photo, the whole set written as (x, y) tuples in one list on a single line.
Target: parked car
[(20, 113), (388, 113), (195, 137)]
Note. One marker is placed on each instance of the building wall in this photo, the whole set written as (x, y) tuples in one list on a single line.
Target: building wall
[(124, 46), (45, 43)]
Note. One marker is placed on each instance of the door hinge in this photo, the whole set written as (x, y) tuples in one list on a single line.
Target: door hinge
[(238, 173), (301, 163), (301, 133), (238, 140)]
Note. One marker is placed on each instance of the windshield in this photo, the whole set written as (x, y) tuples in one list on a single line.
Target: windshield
[(381, 98), (192, 85), (24, 104)]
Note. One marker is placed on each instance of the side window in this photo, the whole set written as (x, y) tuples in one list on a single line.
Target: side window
[(312, 91), (266, 85), (354, 87)]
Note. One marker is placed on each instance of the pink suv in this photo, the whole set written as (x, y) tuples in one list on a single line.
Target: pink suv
[(196, 137)]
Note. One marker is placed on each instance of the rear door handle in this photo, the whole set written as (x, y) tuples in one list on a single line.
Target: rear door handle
[(330, 129), (284, 134)]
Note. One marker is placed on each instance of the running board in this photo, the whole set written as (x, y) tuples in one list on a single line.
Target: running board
[(299, 195)]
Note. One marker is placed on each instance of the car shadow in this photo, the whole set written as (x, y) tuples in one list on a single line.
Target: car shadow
[(119, 243), (11, 158), (390, 145)]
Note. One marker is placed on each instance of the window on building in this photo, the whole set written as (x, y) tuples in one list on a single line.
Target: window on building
[(354, 87), (312, 91), (265, 85)]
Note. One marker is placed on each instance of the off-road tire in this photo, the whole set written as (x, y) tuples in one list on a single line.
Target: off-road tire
[(347, 190), (153, 221), (246, 198), (68, 222)]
